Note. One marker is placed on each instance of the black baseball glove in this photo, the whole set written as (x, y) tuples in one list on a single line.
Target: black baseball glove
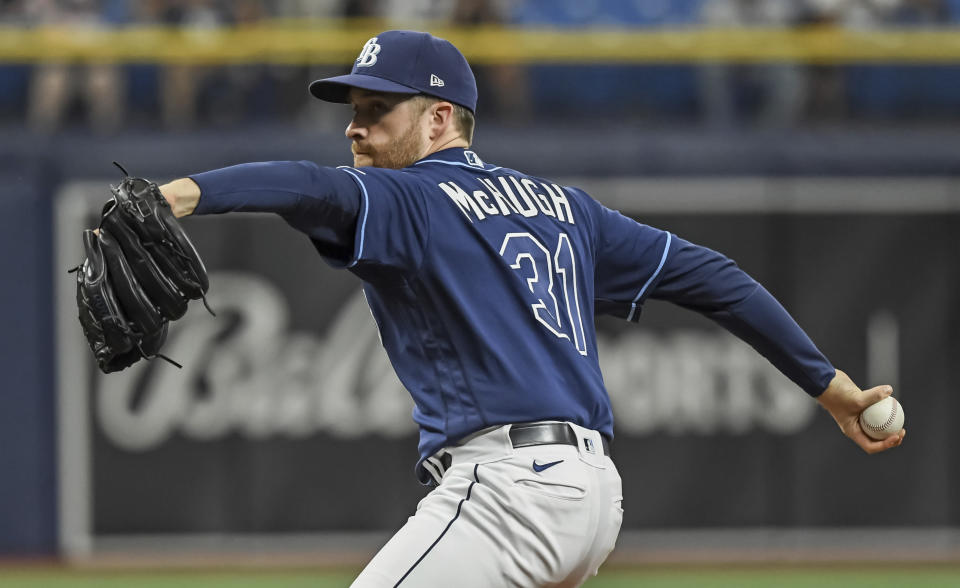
[(140, 271)]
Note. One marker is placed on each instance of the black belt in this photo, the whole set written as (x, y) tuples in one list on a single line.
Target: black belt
[(523, 435), (531, 434)]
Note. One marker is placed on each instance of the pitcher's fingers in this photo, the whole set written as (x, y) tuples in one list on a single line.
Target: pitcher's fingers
[(869, 445), (875, 395), (896, 440)]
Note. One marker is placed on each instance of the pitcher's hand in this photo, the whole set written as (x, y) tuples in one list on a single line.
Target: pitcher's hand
[(844, 400)]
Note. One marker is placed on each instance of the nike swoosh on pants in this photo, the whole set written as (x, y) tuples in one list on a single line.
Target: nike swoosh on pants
[(540, 467)]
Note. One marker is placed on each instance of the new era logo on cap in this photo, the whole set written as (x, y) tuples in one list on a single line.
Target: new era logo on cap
[(405, 62)]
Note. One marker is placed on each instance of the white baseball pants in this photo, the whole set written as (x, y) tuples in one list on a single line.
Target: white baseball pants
[(496, 521)]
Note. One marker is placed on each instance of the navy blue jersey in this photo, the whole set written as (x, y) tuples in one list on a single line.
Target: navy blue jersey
[(484, 283)]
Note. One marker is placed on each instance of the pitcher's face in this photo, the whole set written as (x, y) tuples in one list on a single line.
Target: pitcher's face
[(387, 129)]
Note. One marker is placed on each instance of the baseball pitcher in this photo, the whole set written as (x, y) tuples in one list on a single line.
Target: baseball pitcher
[(485, 282)]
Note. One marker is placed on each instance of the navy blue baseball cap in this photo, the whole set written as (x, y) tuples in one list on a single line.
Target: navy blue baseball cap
[(406, 62)]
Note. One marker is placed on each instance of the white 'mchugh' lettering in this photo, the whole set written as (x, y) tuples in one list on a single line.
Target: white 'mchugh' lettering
[(462, 199), (504, 200)]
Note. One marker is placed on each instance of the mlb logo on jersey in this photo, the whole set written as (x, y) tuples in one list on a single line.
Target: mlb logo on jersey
[(368, 55), (473, 159)]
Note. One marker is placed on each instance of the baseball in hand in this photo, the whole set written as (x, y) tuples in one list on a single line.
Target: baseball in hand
[(882, 419)]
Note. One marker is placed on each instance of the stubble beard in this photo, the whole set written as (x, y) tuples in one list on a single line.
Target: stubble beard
[(400, 153)]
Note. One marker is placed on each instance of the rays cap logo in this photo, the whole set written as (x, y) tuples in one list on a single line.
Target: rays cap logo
[(368, 56), (405, 62)]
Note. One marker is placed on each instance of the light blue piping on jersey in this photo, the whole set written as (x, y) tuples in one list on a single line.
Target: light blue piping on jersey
[(466, 165), (363, 221), (663, 259)]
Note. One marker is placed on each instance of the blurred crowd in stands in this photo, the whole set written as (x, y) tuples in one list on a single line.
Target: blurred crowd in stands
[(108, 97)]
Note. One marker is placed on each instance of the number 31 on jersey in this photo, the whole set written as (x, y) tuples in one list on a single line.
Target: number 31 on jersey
[(542, 271)]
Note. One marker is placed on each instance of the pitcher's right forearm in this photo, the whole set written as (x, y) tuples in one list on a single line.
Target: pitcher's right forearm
[(183, 196)]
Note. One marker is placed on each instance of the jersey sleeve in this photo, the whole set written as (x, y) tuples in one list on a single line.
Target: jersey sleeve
[(635, 262), (393, 224), (708, 282), (629, 259)]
